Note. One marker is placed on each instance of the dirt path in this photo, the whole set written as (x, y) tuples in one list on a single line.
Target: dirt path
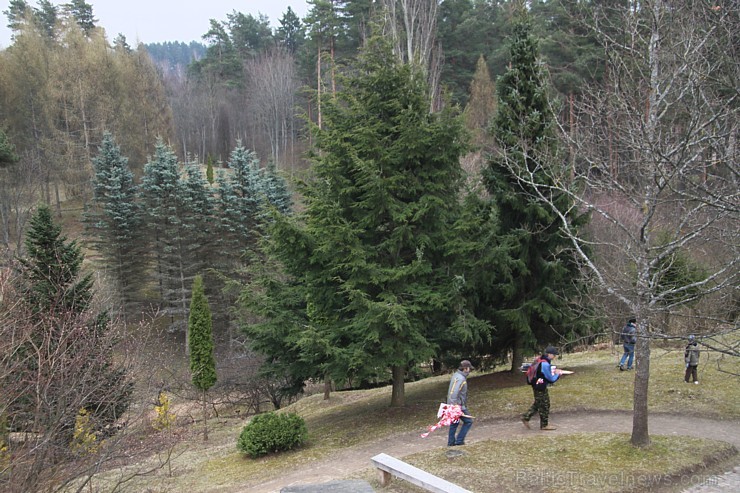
[(354, 459)]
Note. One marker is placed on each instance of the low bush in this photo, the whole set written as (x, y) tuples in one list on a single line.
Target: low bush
[(272, 432)]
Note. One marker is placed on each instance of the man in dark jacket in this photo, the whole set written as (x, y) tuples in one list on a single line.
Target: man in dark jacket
[(545, 376), (629, 339), (691, 358)]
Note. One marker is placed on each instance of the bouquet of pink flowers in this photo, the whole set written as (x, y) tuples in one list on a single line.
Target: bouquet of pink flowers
[(447, 414)]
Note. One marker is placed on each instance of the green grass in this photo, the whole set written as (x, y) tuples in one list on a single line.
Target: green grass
[(356, 417)]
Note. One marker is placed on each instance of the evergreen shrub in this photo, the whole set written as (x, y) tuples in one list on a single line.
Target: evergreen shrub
[(272, 432)]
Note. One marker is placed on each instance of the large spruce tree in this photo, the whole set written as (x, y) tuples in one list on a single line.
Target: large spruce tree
[(371, 256), (180, 212), (238, 203), (159, 193), (197, 221), (115, 220), (534, 303)]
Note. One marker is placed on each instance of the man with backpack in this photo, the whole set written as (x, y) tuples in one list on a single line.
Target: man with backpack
[(540, 375), (629, 339)]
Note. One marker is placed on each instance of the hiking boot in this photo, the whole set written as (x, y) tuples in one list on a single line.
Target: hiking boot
[(548, 428), (525, 422), (621, 368)]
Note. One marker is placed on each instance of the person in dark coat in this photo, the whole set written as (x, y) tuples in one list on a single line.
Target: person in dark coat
[(691, 358)]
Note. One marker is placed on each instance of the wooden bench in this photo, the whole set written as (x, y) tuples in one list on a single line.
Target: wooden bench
[(388, 466)]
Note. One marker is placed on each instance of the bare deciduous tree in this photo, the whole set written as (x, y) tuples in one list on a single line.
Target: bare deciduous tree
[(412, 28), (656, 164), (49, 370), (19, 189), (273, 83)]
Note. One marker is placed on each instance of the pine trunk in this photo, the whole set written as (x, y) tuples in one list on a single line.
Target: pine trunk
[(398, 397), (327, 387), (205, 418), (517, 357)]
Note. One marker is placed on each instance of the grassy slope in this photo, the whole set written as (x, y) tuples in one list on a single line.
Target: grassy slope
[(351, 418)]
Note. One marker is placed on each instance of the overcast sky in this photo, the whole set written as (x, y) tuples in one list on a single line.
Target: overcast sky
[(152, 21)]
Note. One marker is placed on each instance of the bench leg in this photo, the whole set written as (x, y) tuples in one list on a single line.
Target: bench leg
[(384, 477)]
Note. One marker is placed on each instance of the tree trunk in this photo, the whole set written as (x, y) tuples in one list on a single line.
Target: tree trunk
[(318, 87), (327, 387), (184, 303), (398, 397), (640, 435), (517, 356), (205, 417)]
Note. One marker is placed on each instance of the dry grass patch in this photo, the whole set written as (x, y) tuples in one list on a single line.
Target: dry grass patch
[(590, 462)]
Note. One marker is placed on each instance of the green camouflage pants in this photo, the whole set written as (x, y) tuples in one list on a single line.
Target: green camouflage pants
[(541, 405)]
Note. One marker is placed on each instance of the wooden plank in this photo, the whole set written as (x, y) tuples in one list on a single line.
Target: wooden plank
[(414, 475)]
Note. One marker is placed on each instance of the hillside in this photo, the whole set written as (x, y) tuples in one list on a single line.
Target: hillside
[(352, 426)]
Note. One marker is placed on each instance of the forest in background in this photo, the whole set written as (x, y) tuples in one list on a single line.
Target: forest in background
[(252, 83)]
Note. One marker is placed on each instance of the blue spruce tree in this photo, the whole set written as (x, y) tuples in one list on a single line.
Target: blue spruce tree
[(115, 221)]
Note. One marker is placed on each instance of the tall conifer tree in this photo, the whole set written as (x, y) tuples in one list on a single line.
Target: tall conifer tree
[(535, 299), (197, 206), (115, 219), (240, 200), (162, 194), (372, 256)]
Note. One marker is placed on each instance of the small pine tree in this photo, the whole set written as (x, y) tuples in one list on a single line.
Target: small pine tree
[(202, 361), (52, 268), (209, 170)]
